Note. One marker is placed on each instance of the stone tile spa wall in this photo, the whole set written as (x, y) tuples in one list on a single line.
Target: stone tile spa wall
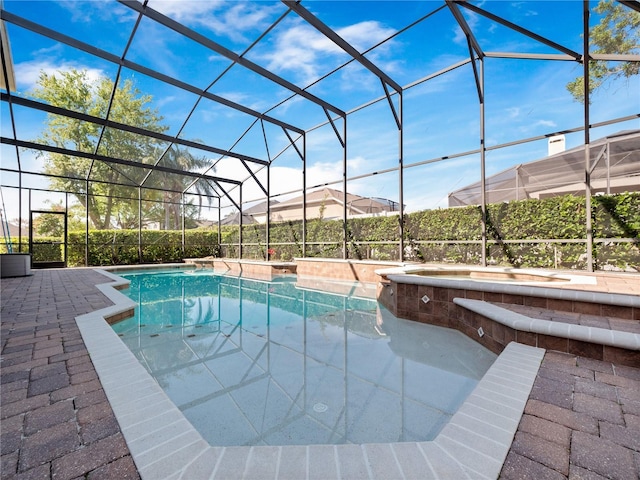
[(435, 305)]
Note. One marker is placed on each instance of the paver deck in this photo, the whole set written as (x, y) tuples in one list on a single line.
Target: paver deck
[(582, 418), (582, 421), (56, 421)]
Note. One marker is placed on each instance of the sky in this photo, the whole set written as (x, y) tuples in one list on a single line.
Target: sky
[(441, 116)]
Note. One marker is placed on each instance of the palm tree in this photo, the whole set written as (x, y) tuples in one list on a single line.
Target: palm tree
[(174, 185)]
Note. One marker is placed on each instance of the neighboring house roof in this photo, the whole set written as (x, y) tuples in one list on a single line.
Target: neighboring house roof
[(260, 208), (14, 231), (317, 196), (376, 204), (356, 203), (563, 173), (206, 223), (234, 219)]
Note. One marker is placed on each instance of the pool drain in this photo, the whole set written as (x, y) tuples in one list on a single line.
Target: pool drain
[(320, 407)]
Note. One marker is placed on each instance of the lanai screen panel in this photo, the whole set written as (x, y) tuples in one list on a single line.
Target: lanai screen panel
[(389, 89), (615, 171)]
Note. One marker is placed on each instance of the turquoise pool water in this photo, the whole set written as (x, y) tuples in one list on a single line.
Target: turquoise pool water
[(269, 363)]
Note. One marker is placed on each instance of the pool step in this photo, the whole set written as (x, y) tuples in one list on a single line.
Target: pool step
[(555, 331)]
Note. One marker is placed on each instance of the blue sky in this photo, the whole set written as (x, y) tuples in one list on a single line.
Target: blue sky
[(441, 116)]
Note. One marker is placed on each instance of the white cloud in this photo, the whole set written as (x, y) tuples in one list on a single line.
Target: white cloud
[(301, 48), (288, 104), (546, 123), (287, 179), (237, 97), (513, 112), (82, 11), (298, 50), (27, 73), (366, 34), (459, 37), (185, 11), (357, 165), (165, 100), (323, 172), (230, 19)]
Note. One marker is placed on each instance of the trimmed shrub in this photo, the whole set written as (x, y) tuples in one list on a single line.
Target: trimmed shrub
[(516, 232), (120, 247)]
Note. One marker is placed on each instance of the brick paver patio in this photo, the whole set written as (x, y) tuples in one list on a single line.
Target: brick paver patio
[(582, 420), (56, 421)]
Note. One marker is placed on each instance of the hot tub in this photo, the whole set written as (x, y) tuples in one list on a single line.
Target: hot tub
[(445, 275)]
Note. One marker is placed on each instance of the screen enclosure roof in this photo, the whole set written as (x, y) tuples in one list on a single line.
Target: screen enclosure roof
[(244, 77)]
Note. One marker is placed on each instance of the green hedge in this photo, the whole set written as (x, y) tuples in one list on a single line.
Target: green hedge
[(120, 247), (46, 249), (430, 236), (439, 235)]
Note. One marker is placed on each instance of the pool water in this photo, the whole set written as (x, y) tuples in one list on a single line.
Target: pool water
[(251, 362)]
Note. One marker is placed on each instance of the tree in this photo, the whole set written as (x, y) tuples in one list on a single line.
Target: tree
[(113, 188), (49, 225), (174, 185), (74, 90), (618, 32)]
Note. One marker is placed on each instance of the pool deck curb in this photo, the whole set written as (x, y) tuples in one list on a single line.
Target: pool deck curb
[(164, 444), (517, 321)]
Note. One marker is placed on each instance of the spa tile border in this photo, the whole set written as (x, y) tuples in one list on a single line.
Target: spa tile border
[(619, 299), (164, 445)]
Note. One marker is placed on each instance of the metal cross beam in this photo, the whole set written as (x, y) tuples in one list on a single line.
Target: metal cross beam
[(519, 29), (465, 27), (25, 102), (97, 52), (634, 4), (474, 46), (343, 44), (225, 52), (117, 161)]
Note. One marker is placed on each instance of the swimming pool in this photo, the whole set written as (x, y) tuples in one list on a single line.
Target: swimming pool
[(268, 363)]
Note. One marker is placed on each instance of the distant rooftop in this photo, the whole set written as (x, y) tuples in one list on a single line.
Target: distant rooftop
[(615, 163)]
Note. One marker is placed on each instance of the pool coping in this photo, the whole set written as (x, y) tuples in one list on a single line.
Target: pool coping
[(164, 444)]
